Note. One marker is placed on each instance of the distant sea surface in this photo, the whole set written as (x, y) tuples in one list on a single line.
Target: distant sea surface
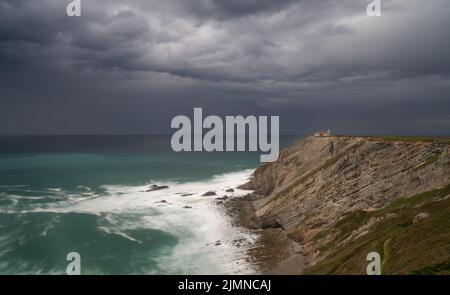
[(87, 194)]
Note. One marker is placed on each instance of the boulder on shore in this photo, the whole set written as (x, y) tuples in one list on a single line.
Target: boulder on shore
[(269, 222)]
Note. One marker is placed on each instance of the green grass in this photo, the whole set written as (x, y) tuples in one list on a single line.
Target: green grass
[(440, 269), (405, 247), (384, 252)]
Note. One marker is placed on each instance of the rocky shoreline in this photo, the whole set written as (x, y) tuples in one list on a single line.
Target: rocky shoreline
[(274, 253), (327, 202)]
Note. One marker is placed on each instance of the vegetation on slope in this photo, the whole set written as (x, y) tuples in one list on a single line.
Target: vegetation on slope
[(412, 236)]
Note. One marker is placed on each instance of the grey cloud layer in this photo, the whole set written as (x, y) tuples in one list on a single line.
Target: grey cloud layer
[(264, 54)]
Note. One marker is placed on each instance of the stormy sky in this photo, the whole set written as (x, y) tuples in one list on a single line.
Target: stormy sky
[(129, 66)]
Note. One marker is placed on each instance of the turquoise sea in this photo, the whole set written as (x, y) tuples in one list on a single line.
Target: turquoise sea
[(87, 194)]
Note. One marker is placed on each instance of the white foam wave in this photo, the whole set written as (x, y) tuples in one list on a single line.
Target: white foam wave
[(180, 210)]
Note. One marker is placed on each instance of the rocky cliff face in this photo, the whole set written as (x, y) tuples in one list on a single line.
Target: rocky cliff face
[(319, 182)]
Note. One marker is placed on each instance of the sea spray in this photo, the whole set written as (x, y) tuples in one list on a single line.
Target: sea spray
[(128, 230)]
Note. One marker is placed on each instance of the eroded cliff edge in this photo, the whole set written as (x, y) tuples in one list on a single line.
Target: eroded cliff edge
[(342, 197)]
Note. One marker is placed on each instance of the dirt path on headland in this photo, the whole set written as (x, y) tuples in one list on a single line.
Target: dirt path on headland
[(274, 253)]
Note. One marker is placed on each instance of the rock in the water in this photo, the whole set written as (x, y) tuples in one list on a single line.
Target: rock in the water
[(186, 195), (222, 198), (230, 190), (155, 187), (187, 207), (208, 194)]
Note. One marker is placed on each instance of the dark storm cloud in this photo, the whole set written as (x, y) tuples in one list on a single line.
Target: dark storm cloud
[(123, 57), (234, 8)]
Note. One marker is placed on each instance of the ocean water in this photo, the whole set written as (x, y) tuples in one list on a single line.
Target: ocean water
[(87, 194)]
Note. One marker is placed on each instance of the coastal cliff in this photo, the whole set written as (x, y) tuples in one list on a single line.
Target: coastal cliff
[(339, 198)]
